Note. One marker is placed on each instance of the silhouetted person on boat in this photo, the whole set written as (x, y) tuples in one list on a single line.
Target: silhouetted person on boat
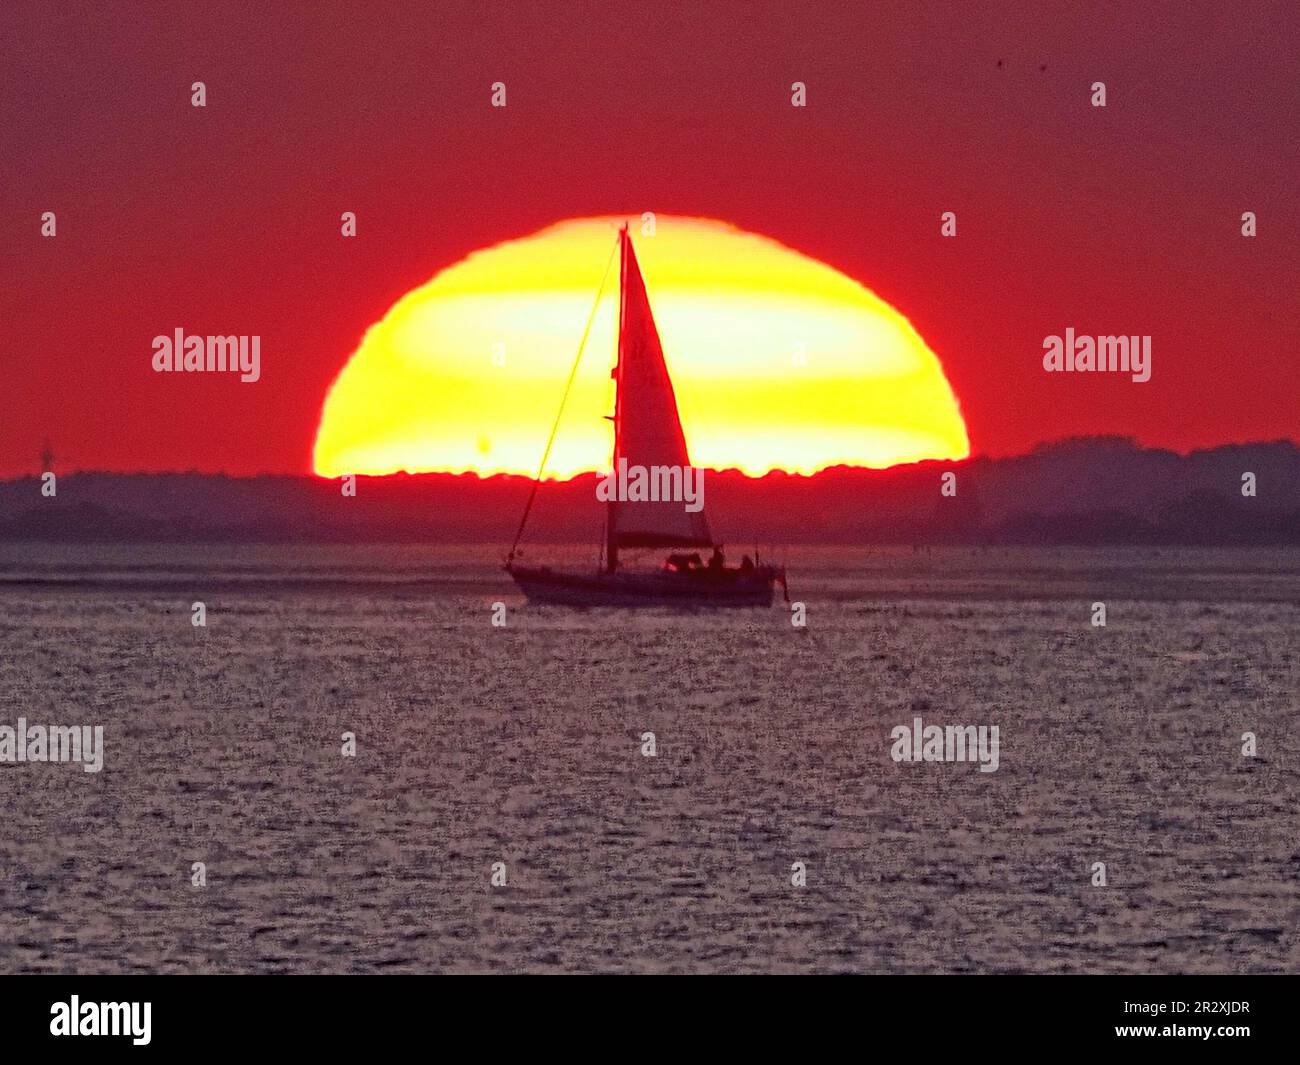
[(716, 561), (746, 565)]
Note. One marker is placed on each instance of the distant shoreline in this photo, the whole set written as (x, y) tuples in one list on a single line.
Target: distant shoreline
[(1095, 491)]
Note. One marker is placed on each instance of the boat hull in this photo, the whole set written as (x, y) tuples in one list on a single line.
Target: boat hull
[(733, 588)]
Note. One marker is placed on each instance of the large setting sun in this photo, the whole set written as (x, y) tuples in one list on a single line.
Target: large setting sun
[(778, 361)]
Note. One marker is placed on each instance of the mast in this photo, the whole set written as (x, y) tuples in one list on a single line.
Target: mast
[(611, 535)]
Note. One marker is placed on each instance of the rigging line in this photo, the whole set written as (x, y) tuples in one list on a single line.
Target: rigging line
[(541, 468)]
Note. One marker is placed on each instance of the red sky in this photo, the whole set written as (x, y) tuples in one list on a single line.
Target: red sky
[(1120, 220)]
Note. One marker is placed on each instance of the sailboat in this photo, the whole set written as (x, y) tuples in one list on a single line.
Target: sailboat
[(647, 434)]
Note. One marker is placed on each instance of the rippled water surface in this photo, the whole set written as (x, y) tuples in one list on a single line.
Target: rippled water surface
[(479, 744)]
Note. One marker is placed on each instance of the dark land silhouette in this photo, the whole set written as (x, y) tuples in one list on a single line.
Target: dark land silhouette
[(1092, 490)]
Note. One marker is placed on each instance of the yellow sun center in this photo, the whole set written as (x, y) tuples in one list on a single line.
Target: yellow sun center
[(778, 361)]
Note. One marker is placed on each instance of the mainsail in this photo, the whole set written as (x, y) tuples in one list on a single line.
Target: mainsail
[(647, 427)]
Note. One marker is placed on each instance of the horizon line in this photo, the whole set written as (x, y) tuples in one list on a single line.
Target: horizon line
[(1130, 442)]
